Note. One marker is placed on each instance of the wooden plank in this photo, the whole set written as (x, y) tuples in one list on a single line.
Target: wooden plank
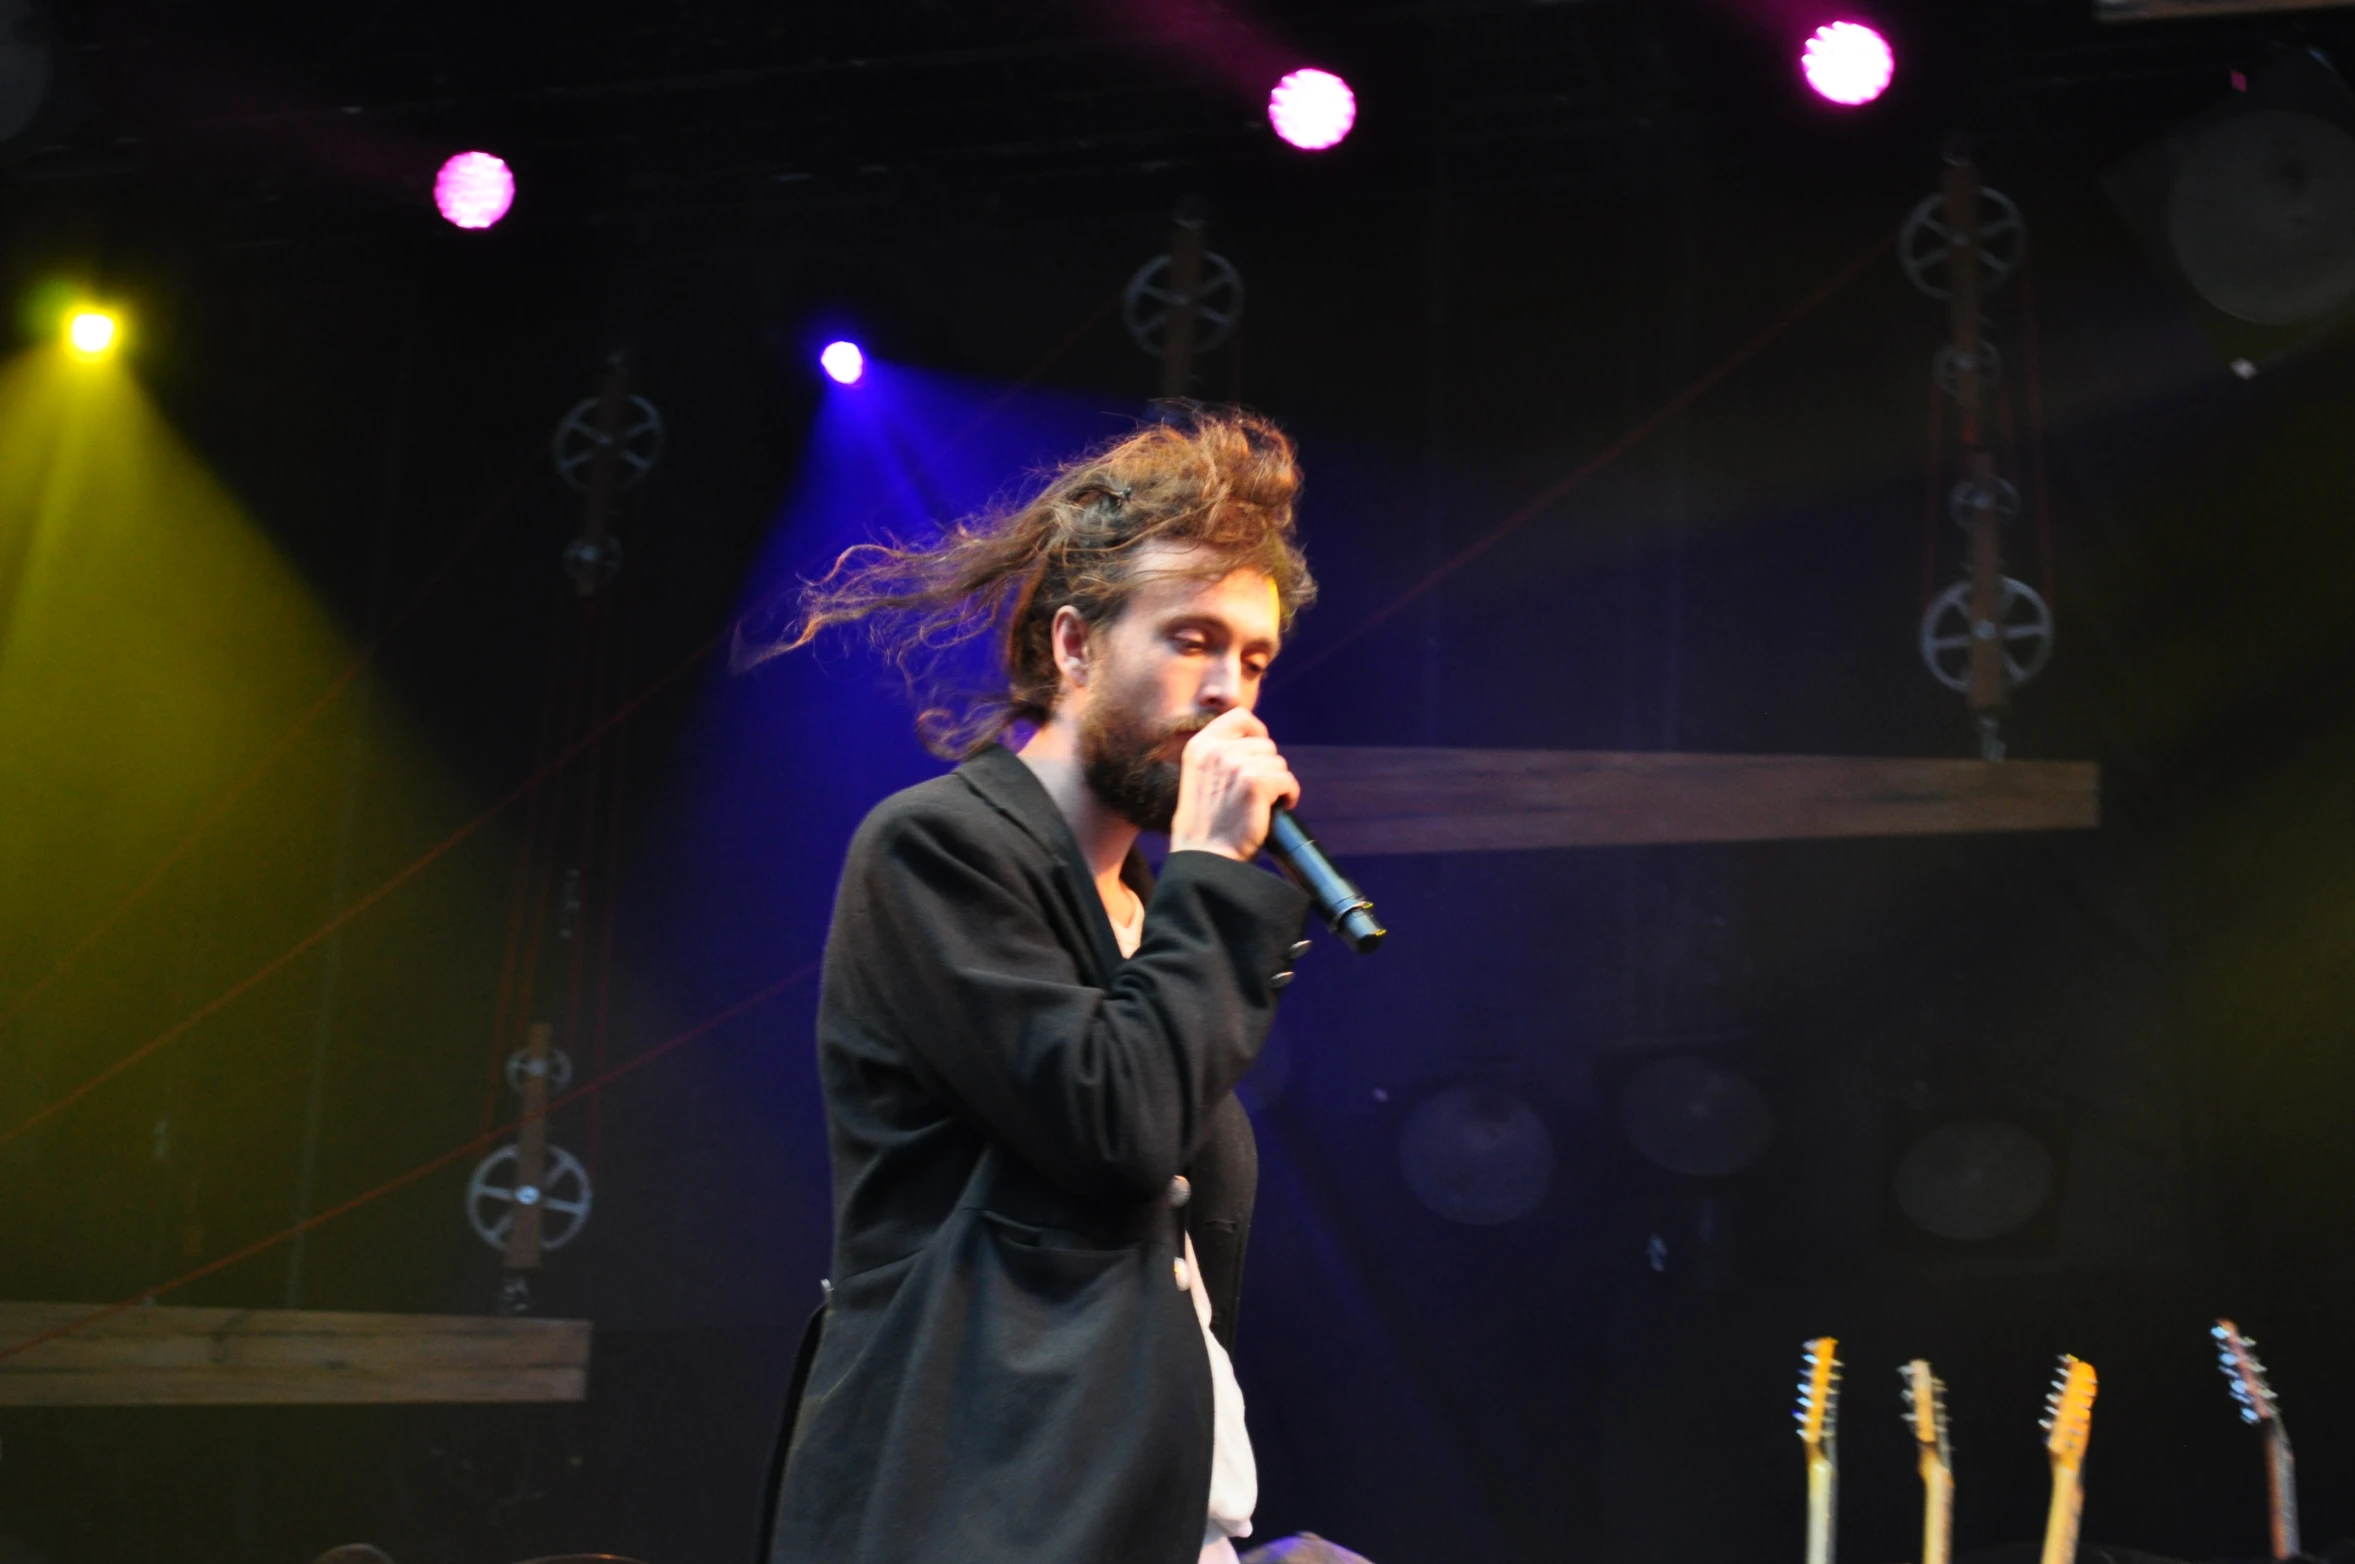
[(2172, 10), (166, 1356), (1495, 800)]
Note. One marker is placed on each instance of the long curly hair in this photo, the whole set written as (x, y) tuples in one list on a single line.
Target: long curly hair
[(1221, 482)]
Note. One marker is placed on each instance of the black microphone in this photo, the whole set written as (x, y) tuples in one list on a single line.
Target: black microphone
[(1344, 907)]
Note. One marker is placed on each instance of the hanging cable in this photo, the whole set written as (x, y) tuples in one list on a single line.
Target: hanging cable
[(400, 877), (2036, 471), (660, 1050), (520, 899), (540, 774), (270, 758), (1932, 492), (610, 908)]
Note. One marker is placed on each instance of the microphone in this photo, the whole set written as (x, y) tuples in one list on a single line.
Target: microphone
[(1344, 907)]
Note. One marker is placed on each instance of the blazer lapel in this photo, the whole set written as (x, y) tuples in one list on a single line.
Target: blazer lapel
[(1010, 787)]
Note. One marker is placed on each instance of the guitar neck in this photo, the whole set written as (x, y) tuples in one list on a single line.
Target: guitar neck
[(1823, 1493), (1937, 1511), (2281, 1489), (2060, 1522)]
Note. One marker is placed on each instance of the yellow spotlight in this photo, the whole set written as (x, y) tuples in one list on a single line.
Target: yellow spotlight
[(92, 332)]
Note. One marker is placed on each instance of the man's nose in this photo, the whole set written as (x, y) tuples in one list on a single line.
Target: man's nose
[(1222, 684)]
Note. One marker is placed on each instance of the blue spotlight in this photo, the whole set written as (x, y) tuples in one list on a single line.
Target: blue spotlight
[(844, 362)]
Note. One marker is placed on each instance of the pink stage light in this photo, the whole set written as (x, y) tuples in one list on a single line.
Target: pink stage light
[(1312, 109), (843, 361), (1848, 63), (474, 189)]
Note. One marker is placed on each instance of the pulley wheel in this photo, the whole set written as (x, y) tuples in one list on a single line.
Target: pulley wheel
[(563, 1194), (2025, 630), (1926, 245), (1146, 303), (637, 445)]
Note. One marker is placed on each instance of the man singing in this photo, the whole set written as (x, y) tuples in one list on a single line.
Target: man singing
[(1029, 1044)]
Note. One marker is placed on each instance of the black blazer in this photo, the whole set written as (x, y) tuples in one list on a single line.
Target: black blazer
[(1008, 1370)]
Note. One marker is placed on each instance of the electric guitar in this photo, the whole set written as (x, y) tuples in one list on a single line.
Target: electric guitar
[(2068, 1423), (2237, 1356), (1819, 1416), (1925, 1415)]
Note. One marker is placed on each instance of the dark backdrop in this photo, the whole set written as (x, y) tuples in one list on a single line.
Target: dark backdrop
[(2166, 996)]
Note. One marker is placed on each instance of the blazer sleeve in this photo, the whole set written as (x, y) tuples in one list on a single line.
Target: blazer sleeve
[(1105, 1092)]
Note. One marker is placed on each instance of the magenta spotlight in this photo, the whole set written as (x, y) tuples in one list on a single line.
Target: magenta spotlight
[(1312, 109), (1848, 63), (474, 189), (844, 362)]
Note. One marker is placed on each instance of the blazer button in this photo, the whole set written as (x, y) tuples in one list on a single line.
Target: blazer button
[(1278, 980), (1298, 950), (1179, 1264), (1180, 1191)]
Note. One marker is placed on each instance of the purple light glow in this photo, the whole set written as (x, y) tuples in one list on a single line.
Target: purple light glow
[(474, 189), (1312, 109), (1848, 63), (844, 362)]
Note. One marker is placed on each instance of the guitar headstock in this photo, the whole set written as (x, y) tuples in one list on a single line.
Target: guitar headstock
[(2237, 1356), (2068, 1413), (1925, 1410), (1818, 1412)]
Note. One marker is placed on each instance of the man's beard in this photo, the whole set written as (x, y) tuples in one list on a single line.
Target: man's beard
[(1132, 764)]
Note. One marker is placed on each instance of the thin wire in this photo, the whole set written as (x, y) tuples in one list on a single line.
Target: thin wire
[(2036, 425), (580, 706), (399, 878), (529, 785), (1931, 474), (277, 752), (583, 889), (263, 1245), (1597, 462), (526, 862), (610, 908)]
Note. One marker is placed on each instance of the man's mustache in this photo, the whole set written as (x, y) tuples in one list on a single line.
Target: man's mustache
[(1181, 732)]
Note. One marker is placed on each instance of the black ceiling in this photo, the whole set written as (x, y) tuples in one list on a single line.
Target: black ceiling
[(301, 120)]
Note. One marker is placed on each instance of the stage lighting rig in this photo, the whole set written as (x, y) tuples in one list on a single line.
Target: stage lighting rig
[(92, 333), (1989, 632), (843, 363), (1312, 109), (607, 443), (474, 190), (1848, 63), (1183, 302)]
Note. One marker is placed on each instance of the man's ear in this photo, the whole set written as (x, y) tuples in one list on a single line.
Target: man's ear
[(1067, 637)]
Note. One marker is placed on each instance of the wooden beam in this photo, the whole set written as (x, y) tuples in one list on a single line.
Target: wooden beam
[(2168, 10), (1501, 800), (163, 1356)]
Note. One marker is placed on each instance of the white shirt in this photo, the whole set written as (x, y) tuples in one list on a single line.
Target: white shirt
[(1234, 1475)]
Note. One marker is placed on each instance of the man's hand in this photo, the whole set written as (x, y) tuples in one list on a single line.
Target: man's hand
[(1229, 779)]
